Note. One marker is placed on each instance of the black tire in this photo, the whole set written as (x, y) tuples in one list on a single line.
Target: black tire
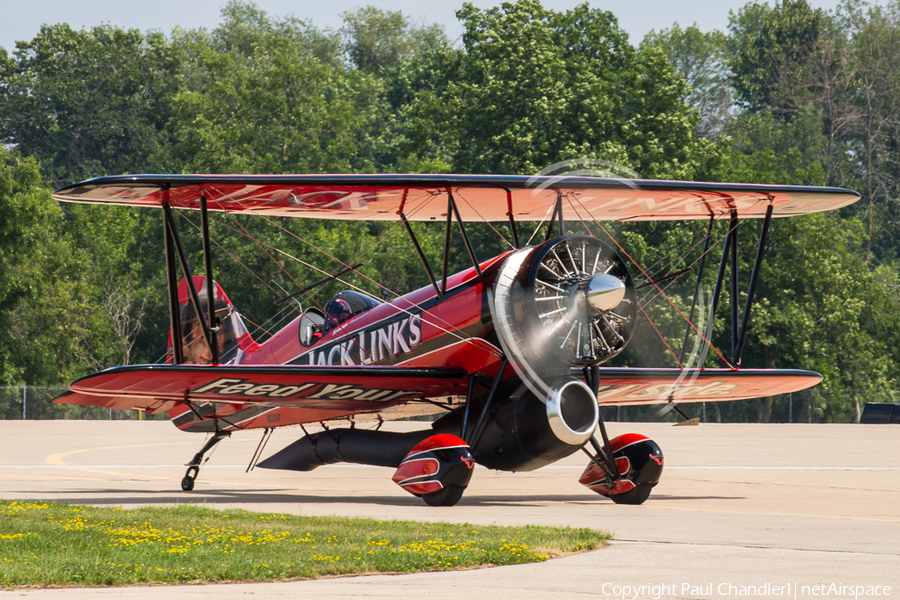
[(187, 484), (634, 496), (448, 496)]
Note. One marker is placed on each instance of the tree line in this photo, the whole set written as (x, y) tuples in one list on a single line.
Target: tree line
[(788, 95)]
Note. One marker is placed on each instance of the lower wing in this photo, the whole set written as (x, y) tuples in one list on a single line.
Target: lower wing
[(203, 398), (246, 397), (628, 386)]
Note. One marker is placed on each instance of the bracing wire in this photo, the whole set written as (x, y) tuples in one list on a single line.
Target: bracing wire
[(500, 235), (452, 329), (656, 285), (259, 327), (350, 285), (712, 246)]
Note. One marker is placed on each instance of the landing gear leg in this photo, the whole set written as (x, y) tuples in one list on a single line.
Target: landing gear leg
[(193, 467), (625, 468)]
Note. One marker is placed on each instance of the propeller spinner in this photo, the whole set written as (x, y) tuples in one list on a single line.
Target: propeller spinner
[(568, 302), (582, 303)]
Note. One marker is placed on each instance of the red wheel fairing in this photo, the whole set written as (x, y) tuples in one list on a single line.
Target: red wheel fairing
[(640, 464), (438, 468)]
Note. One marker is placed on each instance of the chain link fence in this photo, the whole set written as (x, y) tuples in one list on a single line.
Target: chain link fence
[(35, 402)]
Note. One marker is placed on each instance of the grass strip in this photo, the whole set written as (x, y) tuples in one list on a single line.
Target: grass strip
[(46, 544)]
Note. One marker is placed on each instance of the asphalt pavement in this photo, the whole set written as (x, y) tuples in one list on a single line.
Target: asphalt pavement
[(743, 510)]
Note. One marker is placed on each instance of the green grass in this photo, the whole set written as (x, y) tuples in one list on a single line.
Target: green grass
[(46, 544)]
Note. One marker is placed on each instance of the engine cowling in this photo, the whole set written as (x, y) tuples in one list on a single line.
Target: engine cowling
[(527, 431)]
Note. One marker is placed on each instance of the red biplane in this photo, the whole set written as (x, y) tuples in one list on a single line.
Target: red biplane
[(509, 349)]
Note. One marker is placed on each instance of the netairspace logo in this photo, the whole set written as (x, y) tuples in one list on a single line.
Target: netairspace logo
[(766, 590)]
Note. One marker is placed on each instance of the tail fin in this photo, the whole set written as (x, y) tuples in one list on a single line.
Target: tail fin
[(233, 339)]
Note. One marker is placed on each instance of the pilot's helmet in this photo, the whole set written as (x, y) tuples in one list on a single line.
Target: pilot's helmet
[(338, 311)]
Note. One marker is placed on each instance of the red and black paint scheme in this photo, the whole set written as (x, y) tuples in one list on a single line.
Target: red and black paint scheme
[(638, 468), (437, 469), (509, 349)]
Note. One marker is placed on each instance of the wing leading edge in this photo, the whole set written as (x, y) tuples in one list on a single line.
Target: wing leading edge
[(478, 197), (154, 388), (628, 386), (339, 389)]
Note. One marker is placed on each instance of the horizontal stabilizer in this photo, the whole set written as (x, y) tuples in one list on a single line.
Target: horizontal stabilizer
[(626, 387)]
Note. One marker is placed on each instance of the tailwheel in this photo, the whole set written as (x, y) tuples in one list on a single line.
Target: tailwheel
[(187, 483), (193, 467), (637, 467), (437, 469)]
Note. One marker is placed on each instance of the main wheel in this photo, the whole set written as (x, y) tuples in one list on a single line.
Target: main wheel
[(636, 495), (448, 496)]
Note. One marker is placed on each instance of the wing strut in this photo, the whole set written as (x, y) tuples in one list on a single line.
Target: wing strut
[(557, 215), (734, 284), (171, 277), (452, 211), (720, 276), (462, 230), (739, 321), (415, 242), (189, 280), (446, 266), (210, 289), (754, 276), (512, 220), (687, 331)]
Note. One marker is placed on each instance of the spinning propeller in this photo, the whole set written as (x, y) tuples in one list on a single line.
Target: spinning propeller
[(569, 302)]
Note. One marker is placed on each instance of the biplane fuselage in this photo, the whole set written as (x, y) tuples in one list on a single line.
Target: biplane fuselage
[(452, 334)]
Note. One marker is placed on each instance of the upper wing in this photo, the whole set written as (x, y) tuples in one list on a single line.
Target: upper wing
[(629, 386), (478, 197)]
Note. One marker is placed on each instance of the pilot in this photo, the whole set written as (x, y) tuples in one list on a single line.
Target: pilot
[(196, 350), (336, 312)]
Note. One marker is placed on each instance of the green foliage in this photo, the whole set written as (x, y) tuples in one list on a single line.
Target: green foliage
[(791, 95), (536, 87), (701, 58), (379, 41), (88, 103), (278, 112), (29, 224), (766, 149), (72, 291), (773, 54)]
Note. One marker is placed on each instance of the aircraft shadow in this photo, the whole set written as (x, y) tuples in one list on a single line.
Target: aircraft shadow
[(263, 496)]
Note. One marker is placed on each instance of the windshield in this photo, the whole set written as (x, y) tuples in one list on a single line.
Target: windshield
[(345, 305)]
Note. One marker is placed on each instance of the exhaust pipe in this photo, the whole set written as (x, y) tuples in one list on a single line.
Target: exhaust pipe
[(360, 446), (573, 413), (524, 432)]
